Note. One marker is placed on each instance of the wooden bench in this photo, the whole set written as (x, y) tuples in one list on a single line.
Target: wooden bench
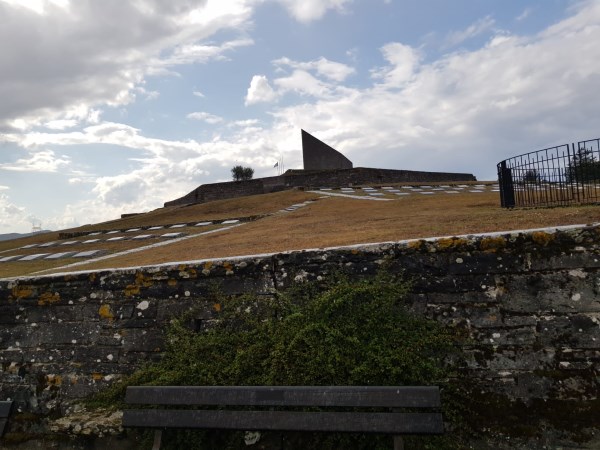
[(5, 407), (388, 420)]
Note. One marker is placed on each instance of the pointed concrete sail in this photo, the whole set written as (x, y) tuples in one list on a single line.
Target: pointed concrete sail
[(318, 155)]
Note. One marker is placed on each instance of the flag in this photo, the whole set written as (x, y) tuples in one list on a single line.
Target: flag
[(276, 164)]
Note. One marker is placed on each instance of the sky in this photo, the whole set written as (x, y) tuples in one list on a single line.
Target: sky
[(110, 106)]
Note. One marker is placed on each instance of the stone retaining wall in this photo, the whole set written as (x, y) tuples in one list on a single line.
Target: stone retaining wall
[(528, 301)]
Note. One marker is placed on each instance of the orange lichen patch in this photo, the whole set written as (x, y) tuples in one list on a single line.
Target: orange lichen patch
[(542, 238), (172, 282), (355, 252), (53, 380), (92, 277), (208, 265), (105, 312), (97, 376), (227, 266), (217, 307), (491, 244), (22, 291), (48, 298)]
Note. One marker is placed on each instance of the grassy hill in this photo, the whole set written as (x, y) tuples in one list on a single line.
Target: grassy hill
[(265, 226)]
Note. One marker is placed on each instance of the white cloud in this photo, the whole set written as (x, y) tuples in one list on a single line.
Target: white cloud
[(458, 37), (403, 62), (198, 94), (260, 91), (330, 69), (245, 123), (525, 14), (87, 54), (12, 217), (60, 124), (304, 83), (205, 117), (309, 10), (195, 53), (38, 6), (320, 78), (39, 161)]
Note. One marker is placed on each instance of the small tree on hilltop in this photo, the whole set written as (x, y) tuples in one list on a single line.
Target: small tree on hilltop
[(240, 173)]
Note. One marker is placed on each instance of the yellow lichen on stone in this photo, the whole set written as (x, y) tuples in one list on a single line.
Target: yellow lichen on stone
[(542, 238), (415, 245), (491, 244), (97, 376), (448, 243), (53, 380), (105, 312), (172, 282), (228, 268), (92, 277), (355, 252), (217, 307), (143, 280), (22, 291), (131, 289), (48, 298), (445, 243)]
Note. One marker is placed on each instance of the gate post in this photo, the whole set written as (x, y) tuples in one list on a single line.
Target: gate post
[(507, 191)]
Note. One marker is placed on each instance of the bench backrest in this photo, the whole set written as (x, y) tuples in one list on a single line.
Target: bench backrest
[(350, 396)]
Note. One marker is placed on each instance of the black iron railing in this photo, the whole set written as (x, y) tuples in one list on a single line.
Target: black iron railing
[(561, 175)]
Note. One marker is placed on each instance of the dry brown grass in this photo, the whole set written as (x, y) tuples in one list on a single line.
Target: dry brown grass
[(331, 221), (338, 221)]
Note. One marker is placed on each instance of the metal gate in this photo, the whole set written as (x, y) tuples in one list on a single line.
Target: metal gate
[(555, 176)]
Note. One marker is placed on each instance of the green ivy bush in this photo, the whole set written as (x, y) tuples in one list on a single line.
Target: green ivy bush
[(341, 332)]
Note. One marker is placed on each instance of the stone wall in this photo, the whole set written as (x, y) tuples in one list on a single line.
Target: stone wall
[(313, 179), (529, 303), (220, 191)]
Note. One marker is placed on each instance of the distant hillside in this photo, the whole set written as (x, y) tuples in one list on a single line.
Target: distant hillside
[(10, 236)]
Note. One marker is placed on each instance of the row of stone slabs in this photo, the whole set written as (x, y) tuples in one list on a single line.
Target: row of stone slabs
[(92, 253), (53, 256), (122, 238), (425, 190), (296, 206)]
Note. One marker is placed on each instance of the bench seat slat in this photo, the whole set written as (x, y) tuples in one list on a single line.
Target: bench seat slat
[(5, 407), (388, 423), (351, 396)]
